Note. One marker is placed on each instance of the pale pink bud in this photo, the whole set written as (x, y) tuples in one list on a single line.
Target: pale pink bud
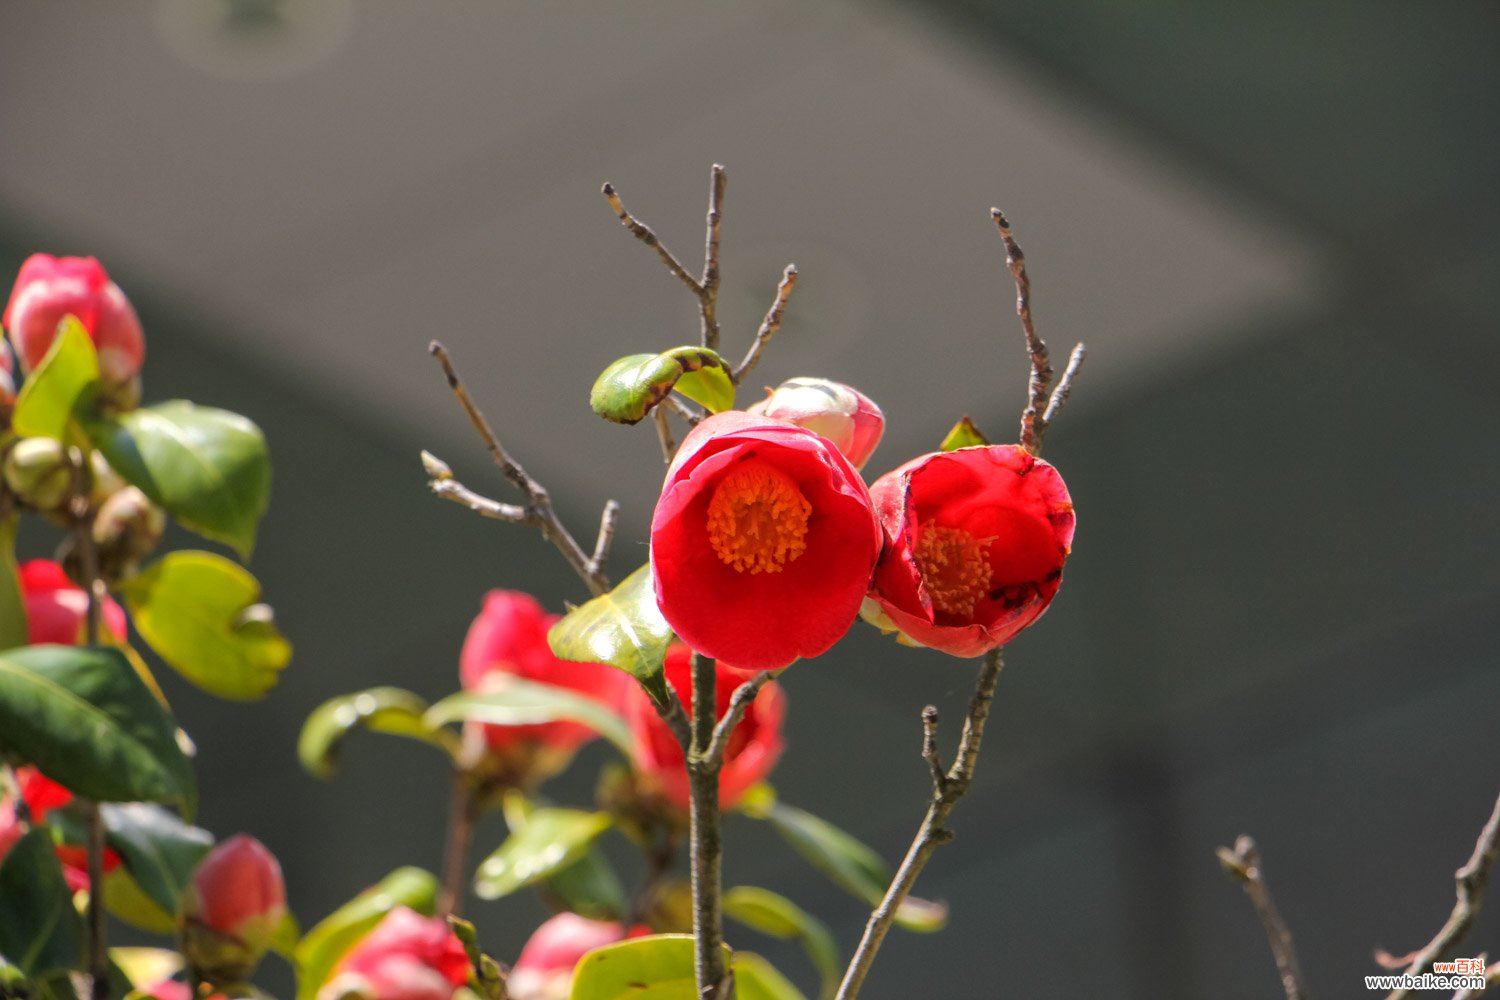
[(840, 413), (51, 288), (545, 969), (406, 957), (232, 909)]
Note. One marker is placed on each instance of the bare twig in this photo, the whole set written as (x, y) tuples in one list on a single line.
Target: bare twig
[(1491, 978), (664, 434), (452, 489), (1471, 881), (706, 288), (929, 747), (1060, 394), (1243, 863), (768, 326), (1032, 425), (606, 537), (739, 702), (947, 790), (706, 853), (692, 415), (463, 813)]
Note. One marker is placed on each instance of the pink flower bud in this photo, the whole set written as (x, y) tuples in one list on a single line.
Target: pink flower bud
[(838, 412), (406, 957), (232, 909), (50, 288), (545, 969)]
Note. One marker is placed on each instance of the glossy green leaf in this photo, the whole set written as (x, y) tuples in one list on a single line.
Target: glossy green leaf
[(198, 611), (387, 710), (514, 701), (13, 628), (39, 929), (709, 387), (127, 901), (158, 849), (623, 628), (660, 967), (963, 435), (208, 468), (778, 916), (321, 948), (628, 389), (90, 723), (851, 865), (550, 841), (591, 887), (62, 386)]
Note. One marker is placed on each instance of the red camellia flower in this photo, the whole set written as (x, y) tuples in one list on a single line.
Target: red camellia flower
[(841, 413), (545, 969), (57, 609), (509, 638), (50, 288), (762, 543), (749, 756), (41, 795), (976, 540), (406, 957), (233, 906)]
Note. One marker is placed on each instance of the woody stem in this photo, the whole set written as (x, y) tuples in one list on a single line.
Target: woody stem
[(94, 587), (706, 847)]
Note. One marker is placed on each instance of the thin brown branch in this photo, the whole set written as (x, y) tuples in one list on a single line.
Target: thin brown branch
[(608, 521), (1243, 864), (1491, 978), (463, 813), (98, 946), (1033, 426), (768, 326), (706, 853), (643, 232), (709, 300), (664, 434), (452, 489), (930, 748), (739, 703), (1059, 397), (1470, 882), (692, 415), (947, 790)]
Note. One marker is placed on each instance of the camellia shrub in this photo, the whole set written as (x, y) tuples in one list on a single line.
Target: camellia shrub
[(767, 545)]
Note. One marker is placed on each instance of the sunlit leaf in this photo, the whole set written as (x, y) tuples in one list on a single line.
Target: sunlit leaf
[(550, 841), (208, 468), (778, 916), (85, 718), (660, 967), (61, 388), (623, 628), (590, 887), (514, 701), (144, 967), (39, 930), (963, 435), (851, 865), (628, 389), (321, 948), (199, 611), (158, 849), (387, 710), (13, 628)]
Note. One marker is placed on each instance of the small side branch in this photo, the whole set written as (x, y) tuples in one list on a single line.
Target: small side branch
[(1243, 864), (739, 703), (1491, 978), (644, 233), (608, 521), (947, 789), (1471, 881), (1059, 397), (768, 326)]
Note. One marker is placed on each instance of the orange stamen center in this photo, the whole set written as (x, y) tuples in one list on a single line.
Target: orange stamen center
[(757, 519), (955, 569)]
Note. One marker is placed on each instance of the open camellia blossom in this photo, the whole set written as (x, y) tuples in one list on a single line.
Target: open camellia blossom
[(750, 754), (544, 971), (50, 288), (762, 543), (57, 609), (509, 638), (406, 957), (976, 540)]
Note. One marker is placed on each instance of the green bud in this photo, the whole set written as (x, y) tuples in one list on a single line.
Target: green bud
[(38, 470)]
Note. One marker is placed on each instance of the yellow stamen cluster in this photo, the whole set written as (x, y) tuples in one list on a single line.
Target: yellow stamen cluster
[(955, 568), (757, 519)]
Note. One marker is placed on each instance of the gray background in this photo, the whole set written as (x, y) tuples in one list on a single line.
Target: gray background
[(1274, 224)]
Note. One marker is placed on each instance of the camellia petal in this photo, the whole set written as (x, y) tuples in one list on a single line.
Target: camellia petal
[(762, 543), (976, 541)]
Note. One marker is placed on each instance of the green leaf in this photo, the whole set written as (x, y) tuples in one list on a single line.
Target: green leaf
[(64, 385), (550, 841), (778, 916), (13, 628), (158, 849), (84, 717), (199, 611), (709, 387), (379, 709), (39, 929), (660, 967), (591, 888), (851, 865), (963, 435), (514, 701), (627, 390), (623, 628), (143, 967), (208, 468), (321, 948)]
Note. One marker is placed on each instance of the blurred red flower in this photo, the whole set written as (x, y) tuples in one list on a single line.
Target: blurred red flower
[(406, 957), (41, 795), (762, 543), (975, 545), (544, 971), (57, 608), (49, 288)]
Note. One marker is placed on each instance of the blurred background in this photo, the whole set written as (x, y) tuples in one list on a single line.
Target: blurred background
[(1273, 224)]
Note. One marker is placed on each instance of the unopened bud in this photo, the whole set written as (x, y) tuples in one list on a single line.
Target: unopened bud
[(232, 910), (128, 526), (38, 470), (842, 414)]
